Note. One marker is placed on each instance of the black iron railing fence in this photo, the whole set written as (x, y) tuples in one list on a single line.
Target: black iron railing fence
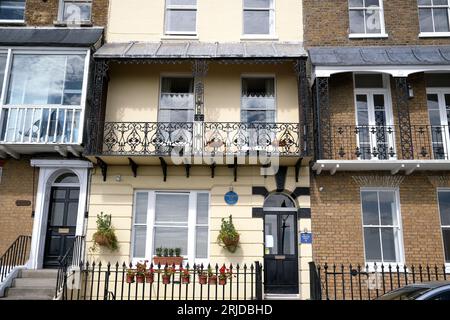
[(16, 255), (200, 138), (359, 282), (98, 281), (72, 259), (349, 142)]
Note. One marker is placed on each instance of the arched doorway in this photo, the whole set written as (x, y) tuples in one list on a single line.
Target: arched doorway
[(280, 245), (62, 218)]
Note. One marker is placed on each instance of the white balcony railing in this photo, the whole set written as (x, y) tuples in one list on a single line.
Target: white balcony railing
[(41, 124)]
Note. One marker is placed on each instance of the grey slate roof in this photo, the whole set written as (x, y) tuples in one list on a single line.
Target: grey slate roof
[(380, 56), (186, 50), (49, 36)]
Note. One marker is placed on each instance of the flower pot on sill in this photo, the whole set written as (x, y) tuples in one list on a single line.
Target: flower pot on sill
[(202, 279), (149, 278), (130, 278), (167, 261), (185, 280), (166, 279), (222, 282), (140, 278), (212, 280)]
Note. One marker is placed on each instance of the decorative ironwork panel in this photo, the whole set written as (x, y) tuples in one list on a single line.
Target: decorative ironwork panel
[(305, 108), (401, 86), (199, 71), (324, 141)]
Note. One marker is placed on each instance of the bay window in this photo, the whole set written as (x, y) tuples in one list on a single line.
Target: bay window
[(259, 17), (381, 226), (43, 97), (181, 17), (434, 17), (12, 10), (171, 220), (366, 18)]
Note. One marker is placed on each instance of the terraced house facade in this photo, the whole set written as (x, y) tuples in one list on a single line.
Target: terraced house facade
[(381, 86)]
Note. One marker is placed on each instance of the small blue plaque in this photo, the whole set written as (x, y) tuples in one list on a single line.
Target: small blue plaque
[(305, 238), (231, 198)]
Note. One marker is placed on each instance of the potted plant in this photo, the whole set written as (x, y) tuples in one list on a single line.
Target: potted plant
[(202, 276), (167, 274), (224, 274), (185, 276), (228, 236), (150, 275), (130, 275), (168, 257), (105, 236), (212, 278), (141, 269)]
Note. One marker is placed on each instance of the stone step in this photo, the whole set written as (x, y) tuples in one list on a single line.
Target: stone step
[(34, 283), (42, 274), (29, 293), (27, 298)]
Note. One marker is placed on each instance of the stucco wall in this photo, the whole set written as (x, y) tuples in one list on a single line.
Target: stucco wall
[(133, 93), (217, 20)]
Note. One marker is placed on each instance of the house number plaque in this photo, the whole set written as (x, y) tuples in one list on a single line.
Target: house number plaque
[(63, 230)]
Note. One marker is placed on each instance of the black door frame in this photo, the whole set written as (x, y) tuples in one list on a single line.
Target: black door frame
[(294, 213), (45, 261)]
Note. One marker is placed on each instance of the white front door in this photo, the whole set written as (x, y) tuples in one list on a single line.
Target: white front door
[(438, 100), (375, 130)]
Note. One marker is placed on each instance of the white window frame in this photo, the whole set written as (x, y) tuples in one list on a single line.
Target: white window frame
[(370, 92), (260, 76), (272, 14), (401, 254), (61, 10), (432, 7), (382, 33), (168, 8), (444, 121), (12, 51), (439, 190), (14, 21), (192, 226)]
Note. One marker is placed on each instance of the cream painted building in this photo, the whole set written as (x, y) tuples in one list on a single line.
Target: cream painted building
[(194, 99)]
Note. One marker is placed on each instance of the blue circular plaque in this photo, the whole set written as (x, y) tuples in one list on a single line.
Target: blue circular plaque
[(231, 197)]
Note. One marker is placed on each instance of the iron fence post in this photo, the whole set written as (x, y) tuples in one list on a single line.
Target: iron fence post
[(258, 281), (315, 290)]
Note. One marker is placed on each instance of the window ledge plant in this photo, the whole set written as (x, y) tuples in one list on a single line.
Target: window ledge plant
[(228, 237), (168, 257)]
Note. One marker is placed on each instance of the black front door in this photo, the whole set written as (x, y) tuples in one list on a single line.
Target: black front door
[(280, 258), (61, 225)]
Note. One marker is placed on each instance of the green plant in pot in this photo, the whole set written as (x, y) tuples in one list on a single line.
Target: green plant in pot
[(105, 236), (228, 237)]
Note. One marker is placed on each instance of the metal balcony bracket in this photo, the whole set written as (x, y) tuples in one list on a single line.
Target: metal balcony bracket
[(62, 151), (266, 166), (213, 169), (234, 167), (103, 166), (163, 167), (188, 170), (298, 165), (12, 153), (134, 166)]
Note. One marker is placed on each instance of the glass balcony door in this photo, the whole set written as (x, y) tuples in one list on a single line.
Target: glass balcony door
[(375, 131), (438, 101)]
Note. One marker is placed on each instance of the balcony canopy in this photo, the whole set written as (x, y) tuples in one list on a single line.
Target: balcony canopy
[(201, 50), (50, 36), (399, 61)]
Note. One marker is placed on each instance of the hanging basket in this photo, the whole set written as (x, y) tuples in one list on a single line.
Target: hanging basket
[(231, 243), (102, 240)]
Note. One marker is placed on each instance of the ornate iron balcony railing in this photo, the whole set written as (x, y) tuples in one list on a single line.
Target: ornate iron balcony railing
[(350, 142), (199, 138)]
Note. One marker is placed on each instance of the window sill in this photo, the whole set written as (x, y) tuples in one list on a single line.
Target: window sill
[(72, 24), (434, 35), (179, 37), (13, 22), (368, 36), (259, 37)]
